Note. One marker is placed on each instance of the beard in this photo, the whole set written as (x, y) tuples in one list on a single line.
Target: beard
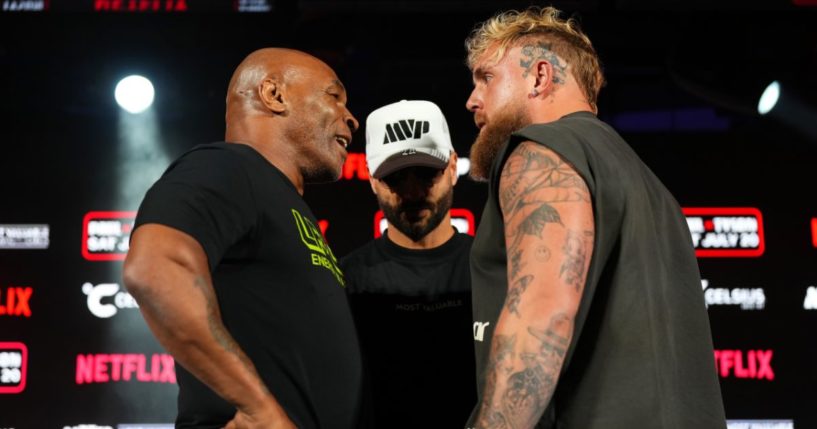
[(405, 217), (492, 137)]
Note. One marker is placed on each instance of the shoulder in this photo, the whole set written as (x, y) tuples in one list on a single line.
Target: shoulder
[(535, 172), (204, 155)]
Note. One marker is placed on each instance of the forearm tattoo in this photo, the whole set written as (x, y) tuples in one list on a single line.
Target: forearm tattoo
[(515, 397)]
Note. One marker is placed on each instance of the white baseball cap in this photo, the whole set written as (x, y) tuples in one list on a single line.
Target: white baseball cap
[(406, 134)]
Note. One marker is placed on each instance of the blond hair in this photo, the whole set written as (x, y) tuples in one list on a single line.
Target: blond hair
[(535, 24)]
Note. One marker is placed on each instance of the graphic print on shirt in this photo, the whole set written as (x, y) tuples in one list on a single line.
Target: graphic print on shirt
[(321, 254)]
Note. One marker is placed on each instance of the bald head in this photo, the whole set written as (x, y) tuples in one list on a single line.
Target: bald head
[(271, 65), (291, 107)]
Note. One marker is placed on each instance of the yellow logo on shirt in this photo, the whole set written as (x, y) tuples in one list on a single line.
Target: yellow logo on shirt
[(321, 255)]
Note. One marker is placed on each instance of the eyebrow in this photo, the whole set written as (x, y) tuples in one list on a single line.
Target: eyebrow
[(478, 73), (338, 84)]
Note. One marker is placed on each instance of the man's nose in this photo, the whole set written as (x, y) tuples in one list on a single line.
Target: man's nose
[(351, 122), (413, 188), (473, 102)]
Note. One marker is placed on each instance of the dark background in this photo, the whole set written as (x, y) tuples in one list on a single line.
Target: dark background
[(683, 82)]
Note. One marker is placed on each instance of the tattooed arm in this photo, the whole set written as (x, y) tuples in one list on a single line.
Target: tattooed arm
[(549, 238), (166, 271)]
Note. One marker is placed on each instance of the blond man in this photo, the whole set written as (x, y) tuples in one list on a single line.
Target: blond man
[(586, 288)]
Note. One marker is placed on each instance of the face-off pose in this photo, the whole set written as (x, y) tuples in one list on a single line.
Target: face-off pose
[(229, 269), (584, 277), (410, 289)]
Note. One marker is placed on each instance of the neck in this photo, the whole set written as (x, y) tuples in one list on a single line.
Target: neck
[(561, 101), (270, 144), (556, 109), (436, 238)]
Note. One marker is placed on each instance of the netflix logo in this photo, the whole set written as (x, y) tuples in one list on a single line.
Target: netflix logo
[(107, 368), (751, 364), (14, 301)]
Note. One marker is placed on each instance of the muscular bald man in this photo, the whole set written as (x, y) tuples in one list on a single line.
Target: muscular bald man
[(230, 270)]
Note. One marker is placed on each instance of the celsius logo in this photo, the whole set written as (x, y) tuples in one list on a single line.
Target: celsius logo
[(759, 424), (105, 368), (747, 299), (726, 232), (24, 236), (13, 364), (810, 303), (754, 364), (106, 235), (404, 130), (461, 219), (16, 302), (96, 294)]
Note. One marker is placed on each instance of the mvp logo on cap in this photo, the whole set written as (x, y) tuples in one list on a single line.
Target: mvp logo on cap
[(409, 133), (404, 130)]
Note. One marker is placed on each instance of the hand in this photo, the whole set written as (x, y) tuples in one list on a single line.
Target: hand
[(269, 419)]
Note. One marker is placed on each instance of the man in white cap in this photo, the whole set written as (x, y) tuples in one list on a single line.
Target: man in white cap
[(410, 288)]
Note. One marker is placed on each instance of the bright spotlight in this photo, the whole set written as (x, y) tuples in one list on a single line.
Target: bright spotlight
[(134, 93), (769, 98)]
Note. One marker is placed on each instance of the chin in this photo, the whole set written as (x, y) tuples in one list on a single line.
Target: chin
[(325, 174)]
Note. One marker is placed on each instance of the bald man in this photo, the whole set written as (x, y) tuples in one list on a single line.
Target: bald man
[(230, 270)]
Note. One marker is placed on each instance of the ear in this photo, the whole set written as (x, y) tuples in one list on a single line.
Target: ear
[(452, 167), (371, 183), (543, 78), (271, 94)]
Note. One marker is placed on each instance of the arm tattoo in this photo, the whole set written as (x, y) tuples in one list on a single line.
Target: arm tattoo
[(499, 366), (531, 185), (217, 329), (540, 197), (515, 293), (575, 249), (214, 317), (516, 264), (543, 51), (527, 390)]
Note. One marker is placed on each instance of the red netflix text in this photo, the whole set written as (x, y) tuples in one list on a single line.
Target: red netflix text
[(355, 167), (14, 301), (753, 364), (140, 5), (106, 368)]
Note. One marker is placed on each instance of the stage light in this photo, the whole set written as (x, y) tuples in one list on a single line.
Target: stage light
[(769, 98), (134, 93), (463, 166)]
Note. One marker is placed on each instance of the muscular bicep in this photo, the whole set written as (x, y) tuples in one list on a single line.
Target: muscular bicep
[(549, 231), (154, 247)]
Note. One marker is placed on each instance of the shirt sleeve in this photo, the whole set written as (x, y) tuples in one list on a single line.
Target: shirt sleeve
[(207, 195)]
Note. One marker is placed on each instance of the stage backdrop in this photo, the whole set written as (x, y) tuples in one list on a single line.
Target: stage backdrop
[(74, 349)]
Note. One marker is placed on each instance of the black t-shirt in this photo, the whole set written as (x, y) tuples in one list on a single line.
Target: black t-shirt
[(279, 289), (641, 354), (412, 309)]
